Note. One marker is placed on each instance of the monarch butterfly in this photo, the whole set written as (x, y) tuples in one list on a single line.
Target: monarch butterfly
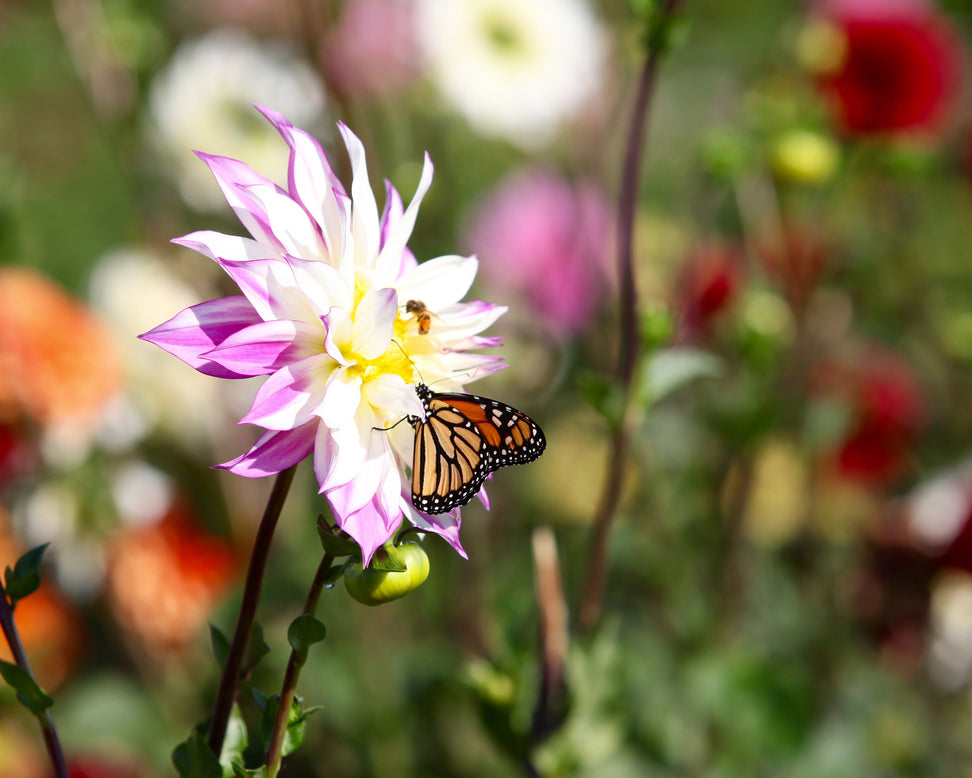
[(462, 440), (422, 315)]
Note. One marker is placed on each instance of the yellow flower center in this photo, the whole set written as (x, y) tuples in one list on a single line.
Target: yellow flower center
[(394, 359)]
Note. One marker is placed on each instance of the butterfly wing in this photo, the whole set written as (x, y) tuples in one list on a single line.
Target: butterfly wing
[(462, 440)]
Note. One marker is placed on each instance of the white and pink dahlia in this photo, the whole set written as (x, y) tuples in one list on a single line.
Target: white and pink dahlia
[(325, 280)]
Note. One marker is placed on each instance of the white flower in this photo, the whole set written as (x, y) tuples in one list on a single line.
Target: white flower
[(513, 69), (204, 99), (325, 282)]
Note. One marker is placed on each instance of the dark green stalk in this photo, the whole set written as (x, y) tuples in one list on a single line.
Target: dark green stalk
[(289, 687), (51, 741), (230, 680), (630, 338)]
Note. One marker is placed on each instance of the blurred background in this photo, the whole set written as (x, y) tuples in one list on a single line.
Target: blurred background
[(789, 587)]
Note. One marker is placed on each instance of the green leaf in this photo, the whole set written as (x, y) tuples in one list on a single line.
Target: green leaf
[(296, 727), (256, 648), (25, 577), (604, 395), (335, 545), (194, 759), (29, 693), (235, 741), (303, 632), (220, 644), (673, 368)]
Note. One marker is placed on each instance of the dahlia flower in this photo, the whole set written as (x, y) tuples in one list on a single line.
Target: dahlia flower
[(325, 283)]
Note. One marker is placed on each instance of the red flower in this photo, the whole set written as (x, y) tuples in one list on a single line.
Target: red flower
[(707, 284), (899, 70), (887, 412)]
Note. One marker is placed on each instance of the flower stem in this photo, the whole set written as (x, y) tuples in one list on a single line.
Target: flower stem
[(289, 687), (630, 339), (230, 680), (49, 731)]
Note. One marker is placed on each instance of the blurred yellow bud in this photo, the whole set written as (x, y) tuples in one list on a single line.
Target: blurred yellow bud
[(821, 48), (804, 157)]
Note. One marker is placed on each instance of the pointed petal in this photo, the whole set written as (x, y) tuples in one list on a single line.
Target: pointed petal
[(215, 244), (439, 282), (197, 330), (287, 399), (274, 452), (312, 181), (364, 209), (290, 224), (263, 348), (323, 284), (231, 175), (390, 259), (445, 525)]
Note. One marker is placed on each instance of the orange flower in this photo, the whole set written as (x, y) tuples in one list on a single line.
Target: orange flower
[(165, 580), (57, 364)]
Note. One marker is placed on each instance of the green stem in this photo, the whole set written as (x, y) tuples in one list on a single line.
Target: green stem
[(289, 687), (49, 731), (230, 680), (630, 340)]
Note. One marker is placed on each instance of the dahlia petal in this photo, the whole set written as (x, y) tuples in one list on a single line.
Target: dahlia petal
[(270, 285), (373, 322), (337, 325), (359, 491), (390, 259), (392, 214), (195, 331), (440, 282), (369, 527), (364, 214), (322, 283), (312, 181), (273, 452), (338, 454), (468, 319), (342, 396), (233, 176), (291, 225), (264, 348), (390, 393), (287, 398), (215, 244), (445, 525)]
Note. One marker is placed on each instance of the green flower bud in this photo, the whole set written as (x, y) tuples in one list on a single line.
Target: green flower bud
[(374, 587)]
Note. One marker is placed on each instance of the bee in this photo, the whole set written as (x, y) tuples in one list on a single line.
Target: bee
[(422, 315)]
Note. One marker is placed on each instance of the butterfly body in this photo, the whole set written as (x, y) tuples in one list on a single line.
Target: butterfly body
[(463, 439)]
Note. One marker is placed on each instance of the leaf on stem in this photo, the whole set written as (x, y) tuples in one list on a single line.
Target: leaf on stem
[(296, 722), (303, 632), (194, 759), (25, 576), (31, 696), (670, 369), (335, 545)]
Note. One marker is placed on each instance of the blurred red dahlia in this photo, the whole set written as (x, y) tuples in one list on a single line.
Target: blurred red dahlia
[(890, 65)]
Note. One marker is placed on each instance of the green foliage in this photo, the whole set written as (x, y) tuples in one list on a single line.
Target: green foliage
[(25, 576), (30, 695), (303, 632), (193, 758)]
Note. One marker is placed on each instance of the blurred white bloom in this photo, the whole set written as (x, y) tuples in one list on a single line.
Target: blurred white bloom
[(142, 493), (132, 290), (939, 508), (204, 99), (513, 69), (950, 655)]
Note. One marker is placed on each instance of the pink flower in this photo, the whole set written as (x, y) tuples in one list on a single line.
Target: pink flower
[(372, 51), (898, 67), (325, 282), (546, 240)]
